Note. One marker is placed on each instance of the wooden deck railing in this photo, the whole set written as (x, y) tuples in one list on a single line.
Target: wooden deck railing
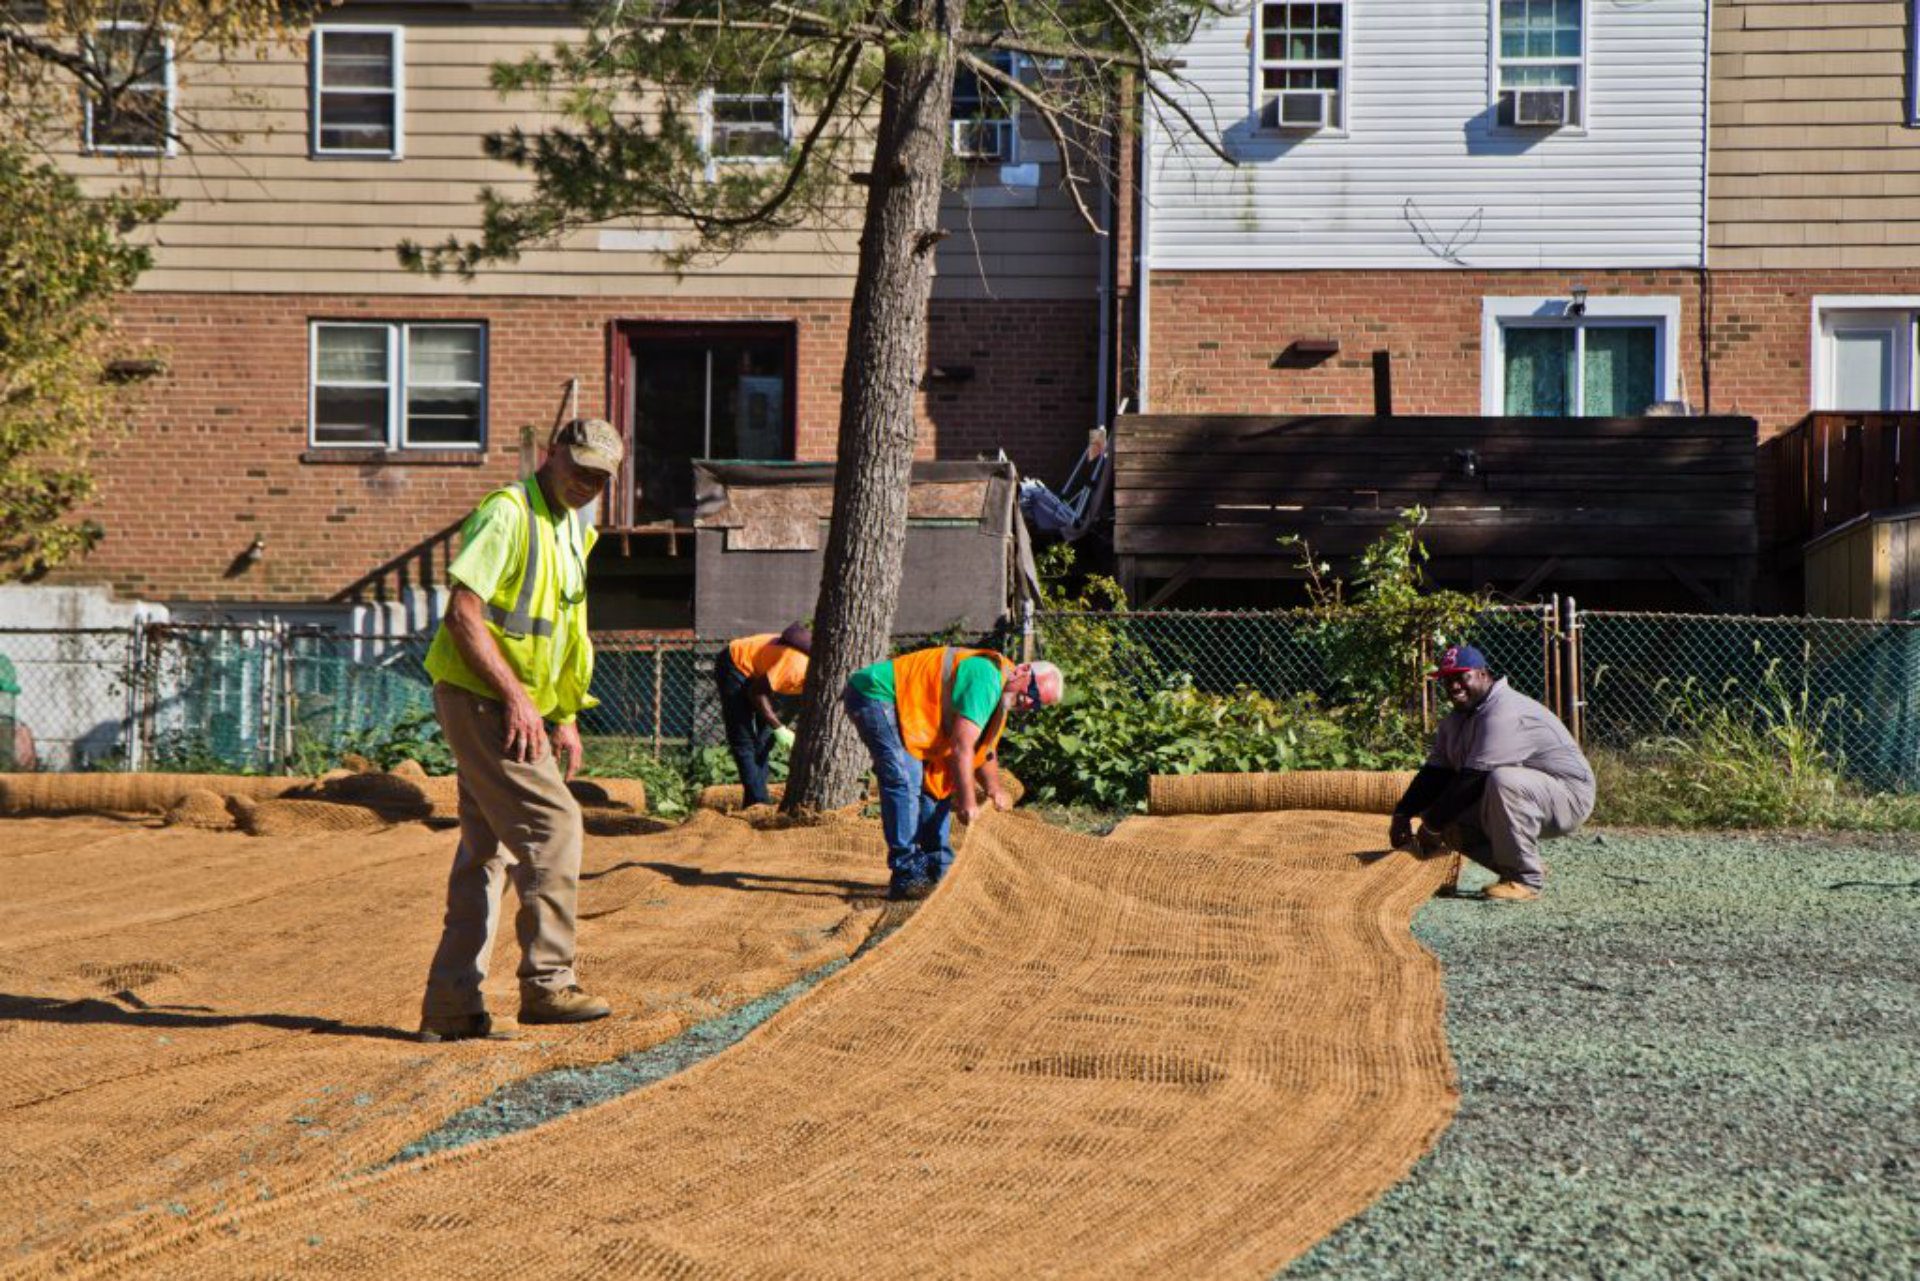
[(1832, 467)]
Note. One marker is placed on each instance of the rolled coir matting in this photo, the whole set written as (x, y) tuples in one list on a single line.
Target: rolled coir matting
[(126, 793), (729, 797), (1351, 791)]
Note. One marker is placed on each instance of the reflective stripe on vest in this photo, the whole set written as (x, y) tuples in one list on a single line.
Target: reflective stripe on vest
[(519, 623)]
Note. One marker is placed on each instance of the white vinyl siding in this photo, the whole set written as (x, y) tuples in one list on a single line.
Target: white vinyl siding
[(359, 91), (1424, 176), (377, 385)]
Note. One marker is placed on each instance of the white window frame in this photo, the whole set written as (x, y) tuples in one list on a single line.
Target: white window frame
[(1012, 122), (398, 333), (1497, 315), (316, 67), (1828, 307), (709, 96), (1337, 128), (1582, 120), (168, 144)]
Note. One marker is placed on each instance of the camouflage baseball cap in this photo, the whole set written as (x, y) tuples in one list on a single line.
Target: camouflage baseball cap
[(592, 442)]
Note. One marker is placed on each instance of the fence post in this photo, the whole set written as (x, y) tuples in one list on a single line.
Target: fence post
[(656, 702), (136, 634), (1577, 685)]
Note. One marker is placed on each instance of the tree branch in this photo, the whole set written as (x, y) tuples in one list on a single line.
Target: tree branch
[(70, 62), (821, 120), (1140, 43), (987, 71)]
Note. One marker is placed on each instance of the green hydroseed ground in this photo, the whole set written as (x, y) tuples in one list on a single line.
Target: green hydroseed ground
[(1697, 1057)]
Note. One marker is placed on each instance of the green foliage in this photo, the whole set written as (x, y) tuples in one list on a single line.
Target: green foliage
[(1729, 759), (636, 140), (62, 259), (414, 737), (676, 775), (1125, 716), (1376, 637), (190, 752)]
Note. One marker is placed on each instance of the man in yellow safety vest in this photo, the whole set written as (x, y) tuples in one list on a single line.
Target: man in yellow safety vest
[(930, 719), (511, 664)]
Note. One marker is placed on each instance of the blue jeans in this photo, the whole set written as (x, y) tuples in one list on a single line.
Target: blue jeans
[(914, 823), (749, 738)]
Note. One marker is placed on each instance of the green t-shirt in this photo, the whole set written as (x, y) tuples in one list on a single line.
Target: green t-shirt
[(976, 687)]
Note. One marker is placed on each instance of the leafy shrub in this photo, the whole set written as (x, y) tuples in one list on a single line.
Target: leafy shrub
[(1125, 716)]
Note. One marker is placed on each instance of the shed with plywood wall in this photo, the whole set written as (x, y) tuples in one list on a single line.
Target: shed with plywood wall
[(1867, 568)]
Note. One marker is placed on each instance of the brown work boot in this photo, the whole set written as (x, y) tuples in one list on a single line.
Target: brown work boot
[(1510, 892), (561, 1005), (436, 1028)]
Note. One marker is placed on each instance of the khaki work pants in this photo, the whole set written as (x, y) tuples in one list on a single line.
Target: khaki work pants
[(1519, 807), (516, 820)]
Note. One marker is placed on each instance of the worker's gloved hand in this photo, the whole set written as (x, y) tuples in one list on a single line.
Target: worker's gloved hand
[(783, 736), (1400, 834), (1431, 840)]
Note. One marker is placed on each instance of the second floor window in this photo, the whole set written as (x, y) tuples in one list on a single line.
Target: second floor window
[(1541, 46), (983, 116), (399, 386), (747, 126), (357, 91), (1301, 65), (135, 114)]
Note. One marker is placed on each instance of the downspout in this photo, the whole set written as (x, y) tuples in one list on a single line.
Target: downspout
[(1706, 224), (1143, 271)]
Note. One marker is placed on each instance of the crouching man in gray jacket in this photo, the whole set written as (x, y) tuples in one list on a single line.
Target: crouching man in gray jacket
[(1503, 773)]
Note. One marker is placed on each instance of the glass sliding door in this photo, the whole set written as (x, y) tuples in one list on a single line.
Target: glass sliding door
[(704, 392), (1595, 370)]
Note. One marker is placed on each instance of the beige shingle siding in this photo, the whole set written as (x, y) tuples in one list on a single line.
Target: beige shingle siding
[(1814, 163), (258, 212)]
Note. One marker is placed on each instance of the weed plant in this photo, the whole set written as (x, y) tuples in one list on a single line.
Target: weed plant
[(1729, 759)]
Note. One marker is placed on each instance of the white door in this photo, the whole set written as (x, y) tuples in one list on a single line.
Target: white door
[(1866, 361)]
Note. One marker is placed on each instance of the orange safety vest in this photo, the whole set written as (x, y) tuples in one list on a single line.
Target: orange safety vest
[(923, 694)]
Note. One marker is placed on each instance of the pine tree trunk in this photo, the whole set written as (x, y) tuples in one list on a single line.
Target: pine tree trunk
[(886, 346)]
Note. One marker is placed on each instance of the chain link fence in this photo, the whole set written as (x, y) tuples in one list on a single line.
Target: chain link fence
[(271, 698), (1847, 689), (1285, 653)]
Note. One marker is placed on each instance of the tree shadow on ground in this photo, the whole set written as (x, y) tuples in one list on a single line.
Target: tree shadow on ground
[(48, 1009), (748, 882)]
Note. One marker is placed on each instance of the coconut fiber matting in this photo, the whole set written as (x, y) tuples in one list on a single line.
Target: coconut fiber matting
[(1190, 1055), (194, 1021)]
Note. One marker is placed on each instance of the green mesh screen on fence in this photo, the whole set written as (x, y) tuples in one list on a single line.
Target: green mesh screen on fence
[(268, 697), (1850, 687)]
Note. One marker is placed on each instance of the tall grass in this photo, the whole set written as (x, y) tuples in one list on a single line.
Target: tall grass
[(1730, 760)]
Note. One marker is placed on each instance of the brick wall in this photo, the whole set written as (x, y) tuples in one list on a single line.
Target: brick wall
[(215, 456), (1216, 336), (1762, 336)]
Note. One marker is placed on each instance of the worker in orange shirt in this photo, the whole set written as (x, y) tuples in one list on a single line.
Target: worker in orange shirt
[(929, 720), (748, 672)]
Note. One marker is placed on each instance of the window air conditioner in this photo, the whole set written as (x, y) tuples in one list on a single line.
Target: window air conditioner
[(1301, 110), (1542, 108), (983, 139)]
